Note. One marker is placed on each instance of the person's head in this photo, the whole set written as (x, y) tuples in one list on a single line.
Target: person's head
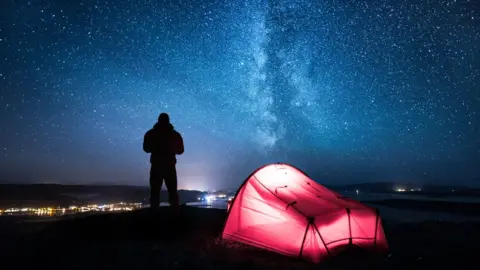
[(163, 118)]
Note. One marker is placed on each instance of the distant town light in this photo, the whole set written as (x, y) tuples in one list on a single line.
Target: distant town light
[(51, 211), (210, 198)]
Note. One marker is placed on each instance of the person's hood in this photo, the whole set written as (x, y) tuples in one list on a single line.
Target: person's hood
[(163, 126)]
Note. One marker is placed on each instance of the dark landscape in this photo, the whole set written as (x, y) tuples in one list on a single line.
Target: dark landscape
[(37, 195), (191, 240), (430, 190), (459, 208), (24, 195), (138, 239)]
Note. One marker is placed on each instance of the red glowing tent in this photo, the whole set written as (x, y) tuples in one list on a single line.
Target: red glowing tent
[(279, 208)]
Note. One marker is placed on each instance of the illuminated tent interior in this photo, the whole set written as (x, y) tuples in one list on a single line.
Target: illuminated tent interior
[(279, 208)]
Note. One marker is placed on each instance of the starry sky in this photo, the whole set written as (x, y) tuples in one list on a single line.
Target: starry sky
[(349, 91)]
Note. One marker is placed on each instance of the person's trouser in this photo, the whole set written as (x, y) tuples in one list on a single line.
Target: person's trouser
[(158, 174)]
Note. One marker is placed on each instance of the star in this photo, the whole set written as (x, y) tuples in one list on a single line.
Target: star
[(380, 90)]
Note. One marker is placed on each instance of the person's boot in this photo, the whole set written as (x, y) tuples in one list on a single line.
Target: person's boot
[(153, 210), (154, 206)]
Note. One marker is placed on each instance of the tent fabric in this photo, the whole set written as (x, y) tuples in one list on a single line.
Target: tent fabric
[(279, 208)]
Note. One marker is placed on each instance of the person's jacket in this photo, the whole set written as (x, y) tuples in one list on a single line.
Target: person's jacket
[(164, 143)]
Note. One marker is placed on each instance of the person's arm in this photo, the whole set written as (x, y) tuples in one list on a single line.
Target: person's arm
[(180, 147), (146, 143)]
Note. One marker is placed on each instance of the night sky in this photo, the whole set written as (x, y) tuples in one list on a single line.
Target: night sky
[(349, 92)]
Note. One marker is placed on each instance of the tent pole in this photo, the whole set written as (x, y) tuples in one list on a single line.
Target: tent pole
[(304, 238), (321, 238), (349, 227), (298, 211), (376, 227)]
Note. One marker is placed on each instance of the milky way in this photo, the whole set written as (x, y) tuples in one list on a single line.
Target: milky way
[(349, 92)]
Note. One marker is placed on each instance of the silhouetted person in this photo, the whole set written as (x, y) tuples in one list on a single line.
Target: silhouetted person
[(164, 143)]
